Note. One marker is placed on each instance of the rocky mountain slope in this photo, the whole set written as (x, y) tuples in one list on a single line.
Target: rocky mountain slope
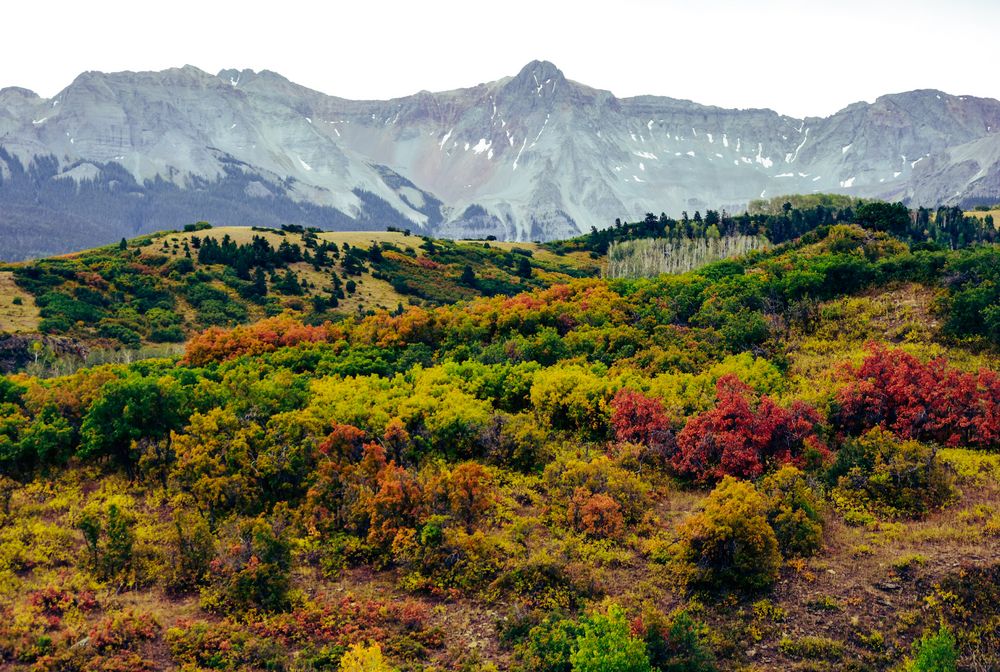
[(534, 156)]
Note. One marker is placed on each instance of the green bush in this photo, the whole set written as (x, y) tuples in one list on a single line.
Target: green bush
[(793, 512), (54, 325), (170, 334), (190, 549), (607, 645), (548, 646), (879, 473), (110, 540), (729, 544), (678, 643), (934, 653), (254, 572)]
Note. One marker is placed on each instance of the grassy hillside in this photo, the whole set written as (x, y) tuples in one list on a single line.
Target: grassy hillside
[(144, 299), (157, 290), (18, 312), (786, 461)]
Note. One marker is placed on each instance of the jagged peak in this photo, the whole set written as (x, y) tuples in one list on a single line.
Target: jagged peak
[(540, 70), (537, 79)]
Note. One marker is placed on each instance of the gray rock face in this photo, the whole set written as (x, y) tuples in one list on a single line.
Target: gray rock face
[(534, 156)]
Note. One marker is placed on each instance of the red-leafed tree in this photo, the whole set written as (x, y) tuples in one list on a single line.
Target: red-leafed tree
[(398, 504), (927, 402), (744, 437), (215, 344), (470, 493), (344, 443)]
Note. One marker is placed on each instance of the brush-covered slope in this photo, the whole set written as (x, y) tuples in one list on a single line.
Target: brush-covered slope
[(785, 461), (154, 291)]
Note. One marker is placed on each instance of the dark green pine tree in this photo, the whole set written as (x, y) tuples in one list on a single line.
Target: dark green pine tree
[(523, 268), (468, 276), (259, 283)]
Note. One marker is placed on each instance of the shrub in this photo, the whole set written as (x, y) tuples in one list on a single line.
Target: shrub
[(934, 653), (128, 410), (595, 515), (793, 512), (123, 630), (811, 648), (740, 437), (223, 646), (191, 548), (548, 646), (729, 544), (600, 476), (678, 643), (362, 658), (879, 473), (110, 540), (254, 573), (606, 644), (470, 493), (927, 402), (637, 418)]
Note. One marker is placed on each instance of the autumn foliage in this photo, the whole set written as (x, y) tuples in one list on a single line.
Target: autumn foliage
[(743, 437), (217, 344), (640, 419), (927, 402)]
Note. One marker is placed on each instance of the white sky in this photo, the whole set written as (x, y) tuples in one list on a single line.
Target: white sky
[(804, 57)]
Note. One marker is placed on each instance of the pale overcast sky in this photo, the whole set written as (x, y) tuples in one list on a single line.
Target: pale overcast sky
[(804, 57)]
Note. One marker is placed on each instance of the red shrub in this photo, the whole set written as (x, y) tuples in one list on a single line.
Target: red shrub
[(53, 603), (343, 443), (743, 439), (122, 630), (927, 402), (596, 515), (217, 344), (637, 418)]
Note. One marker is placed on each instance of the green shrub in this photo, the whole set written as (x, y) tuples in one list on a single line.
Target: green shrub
[(190, 549), (934, 653), (168, 334), (120, 333), (254, 572), (110, 540), (729, 544), (879, 473), (548, 646), (678, 643), (54, 325), (607, 645), (793, 512)]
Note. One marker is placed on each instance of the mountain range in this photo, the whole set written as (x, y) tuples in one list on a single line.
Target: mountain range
[(530, 157)]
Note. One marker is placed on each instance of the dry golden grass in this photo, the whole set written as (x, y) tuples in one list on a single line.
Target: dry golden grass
[(13, 317), (578, 260), (245, 234), (371, 293), (981, 214)]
